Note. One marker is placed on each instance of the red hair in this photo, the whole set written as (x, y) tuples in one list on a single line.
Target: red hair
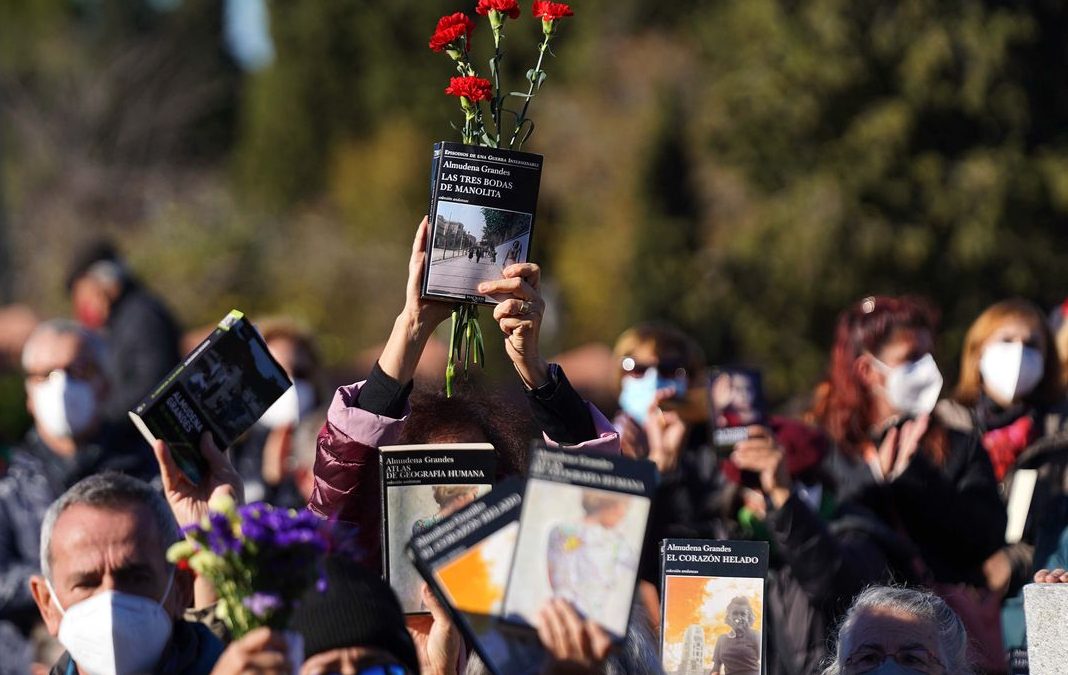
[(846, 407)]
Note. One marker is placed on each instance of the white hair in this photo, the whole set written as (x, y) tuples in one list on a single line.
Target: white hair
[(109, 272), (923, 604), (109, 490), (60, 327)]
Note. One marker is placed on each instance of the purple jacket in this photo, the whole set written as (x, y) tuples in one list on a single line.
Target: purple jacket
[(347, 486)]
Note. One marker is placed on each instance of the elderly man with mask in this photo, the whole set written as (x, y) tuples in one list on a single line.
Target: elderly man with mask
[(64, 389), (106, 589)]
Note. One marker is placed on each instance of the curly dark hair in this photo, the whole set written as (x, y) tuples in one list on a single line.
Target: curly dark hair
[(473, 411)]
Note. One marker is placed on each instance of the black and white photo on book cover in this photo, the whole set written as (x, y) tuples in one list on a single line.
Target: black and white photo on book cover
[(483, 203), (472, 244)]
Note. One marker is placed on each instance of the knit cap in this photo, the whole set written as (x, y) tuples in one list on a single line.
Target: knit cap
[(357, 609)]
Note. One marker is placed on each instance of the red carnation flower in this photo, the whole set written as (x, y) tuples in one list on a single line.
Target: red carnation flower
[(474, 89), (509, 7), (551, 11), (450, 29)]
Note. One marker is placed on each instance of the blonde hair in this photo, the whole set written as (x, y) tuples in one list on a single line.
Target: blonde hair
[(970, 386), (595, 502), (443, 494)]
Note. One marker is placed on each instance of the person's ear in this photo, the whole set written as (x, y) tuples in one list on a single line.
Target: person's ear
[(864, 369), (43, 597)]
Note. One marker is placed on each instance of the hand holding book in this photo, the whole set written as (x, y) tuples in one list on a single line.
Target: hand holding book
[(576, 645), (436, 638), (519, 314), (188, 500), (417, 321), (762, 454)]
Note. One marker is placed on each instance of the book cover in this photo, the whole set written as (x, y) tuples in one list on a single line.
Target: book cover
[(421, 485), (580, 536), (223, 386), (712, 606), (465, 559), (482, 205), (737, 396)]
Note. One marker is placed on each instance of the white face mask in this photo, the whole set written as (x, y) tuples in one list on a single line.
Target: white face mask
[(64, 406), (291, 406), (912, 388), (1010, 370), (115, 633)]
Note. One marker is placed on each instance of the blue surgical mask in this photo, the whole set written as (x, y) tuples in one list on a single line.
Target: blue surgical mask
[(638, 393)]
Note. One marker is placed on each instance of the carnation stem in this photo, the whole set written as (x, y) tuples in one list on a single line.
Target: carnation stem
[(534, 79), (498, 99)]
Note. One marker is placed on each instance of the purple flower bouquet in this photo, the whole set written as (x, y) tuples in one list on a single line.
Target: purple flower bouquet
[(260, 559)]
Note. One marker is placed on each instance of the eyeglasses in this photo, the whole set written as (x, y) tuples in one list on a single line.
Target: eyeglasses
[(635, 369), (78, 370), (867, 659), (376, 669)]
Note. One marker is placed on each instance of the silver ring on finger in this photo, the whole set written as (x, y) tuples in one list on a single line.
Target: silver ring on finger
[(524, 308)]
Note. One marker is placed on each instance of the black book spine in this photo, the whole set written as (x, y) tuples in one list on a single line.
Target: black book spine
[(384, 532), (431, 212)]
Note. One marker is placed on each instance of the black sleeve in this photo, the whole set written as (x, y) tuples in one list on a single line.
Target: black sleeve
[(940, 505), (382, 395), (559, 410), (827, 566), (143, 346)]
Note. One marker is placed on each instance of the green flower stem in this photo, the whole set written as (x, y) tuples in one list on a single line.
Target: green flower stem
[(450, 366), (470, 115), (465, 343), (498, 98), (534, 78)]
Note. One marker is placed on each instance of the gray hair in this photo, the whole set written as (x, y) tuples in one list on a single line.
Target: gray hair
[(108, 490), (110, 272), (923, 604), (61, 327)]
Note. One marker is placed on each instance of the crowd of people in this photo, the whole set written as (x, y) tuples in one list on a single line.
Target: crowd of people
[(904, 516)]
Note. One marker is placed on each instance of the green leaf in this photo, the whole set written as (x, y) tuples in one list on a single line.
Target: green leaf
[(519, 94), (536, 77)]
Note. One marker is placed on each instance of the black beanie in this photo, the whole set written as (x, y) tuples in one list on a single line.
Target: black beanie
[(357, 609)]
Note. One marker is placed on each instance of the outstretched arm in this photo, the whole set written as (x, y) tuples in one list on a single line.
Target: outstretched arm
[(558, 409), (416, 322)]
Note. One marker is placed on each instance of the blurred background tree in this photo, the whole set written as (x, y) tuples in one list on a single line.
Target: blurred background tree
[(743, 168)]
